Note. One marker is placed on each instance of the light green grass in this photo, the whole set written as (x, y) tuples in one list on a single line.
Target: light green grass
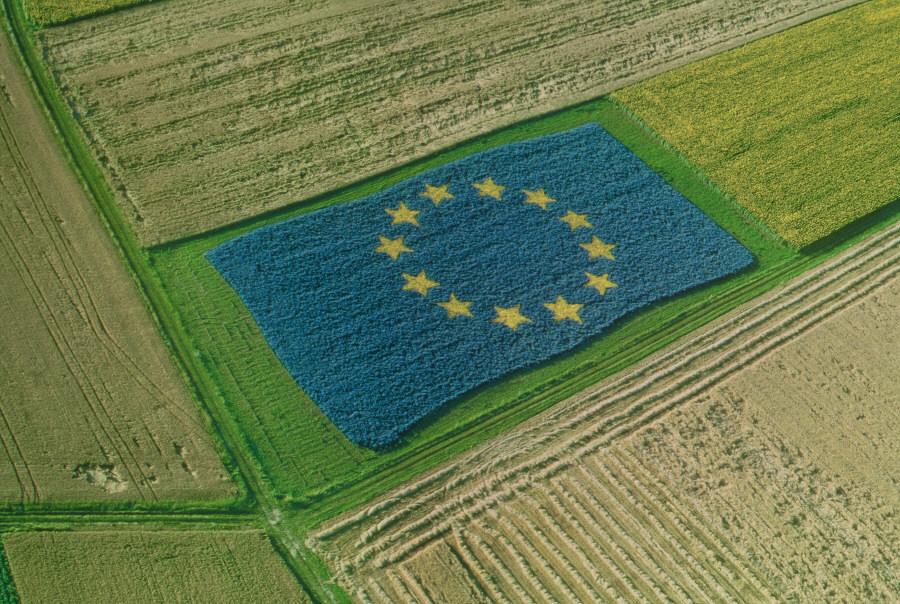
[(800, 127), (307, 460)]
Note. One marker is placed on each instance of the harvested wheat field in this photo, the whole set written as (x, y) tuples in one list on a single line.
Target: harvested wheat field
[(205, 113), (92, 406), (755, 461), (220, 567)]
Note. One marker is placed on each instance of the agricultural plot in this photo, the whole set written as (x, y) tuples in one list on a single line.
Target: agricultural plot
[(50, 12), (800, 128), (234, 566), (308, 461), (755, 461), (92, 407), (203, 113), (513, 256)]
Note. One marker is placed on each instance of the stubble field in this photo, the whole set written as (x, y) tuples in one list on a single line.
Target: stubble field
[(93, 407), (149, 566), (684, 479), (800, 128), (205, 113)]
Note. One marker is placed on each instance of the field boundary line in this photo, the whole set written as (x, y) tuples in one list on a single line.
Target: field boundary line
[(649, 367), (391, 537)]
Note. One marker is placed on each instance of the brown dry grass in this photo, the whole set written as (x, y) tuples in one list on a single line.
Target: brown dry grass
[(755, 461), (91, 404), (218, 567), (206, 112)]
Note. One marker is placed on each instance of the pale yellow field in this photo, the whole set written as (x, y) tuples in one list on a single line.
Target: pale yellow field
[(91, 404), (204, 112), (756, 461), (218, 567)]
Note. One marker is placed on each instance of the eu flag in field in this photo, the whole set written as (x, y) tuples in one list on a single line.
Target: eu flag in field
[(387, 308)]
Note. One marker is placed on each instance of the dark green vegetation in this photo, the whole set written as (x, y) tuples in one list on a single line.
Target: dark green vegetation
[(7, 589)]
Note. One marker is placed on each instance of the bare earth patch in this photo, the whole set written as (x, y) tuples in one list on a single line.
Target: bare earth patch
[(91, 404), (754, 461), (204, 112)]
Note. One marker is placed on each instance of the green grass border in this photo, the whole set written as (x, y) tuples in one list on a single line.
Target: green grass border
[(445, 434)]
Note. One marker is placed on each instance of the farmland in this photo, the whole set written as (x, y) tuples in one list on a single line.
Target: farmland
[(800, 128), (680, 479), (731, 439), (50, 12), (93, 407), (203, 113), (149, 566), (306, 458)]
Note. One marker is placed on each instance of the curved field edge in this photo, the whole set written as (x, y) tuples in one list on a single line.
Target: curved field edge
[(135, 263), (357, 475)]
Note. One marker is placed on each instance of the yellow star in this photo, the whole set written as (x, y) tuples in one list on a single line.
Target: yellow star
[(392, 247), (596, 249), (576, 221), (601, 283), (456, 307), (538, 198), (419, 284), (489, 188), (511, 317), (563, 310), (437, 194), (403, 214)]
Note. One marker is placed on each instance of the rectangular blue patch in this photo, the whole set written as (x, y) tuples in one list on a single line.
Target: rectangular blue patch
[(389, 307)]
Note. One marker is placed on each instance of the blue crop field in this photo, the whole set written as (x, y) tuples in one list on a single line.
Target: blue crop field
[(387, 308)]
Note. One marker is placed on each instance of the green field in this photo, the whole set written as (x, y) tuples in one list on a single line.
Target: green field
[(801, 128), (305, 457)]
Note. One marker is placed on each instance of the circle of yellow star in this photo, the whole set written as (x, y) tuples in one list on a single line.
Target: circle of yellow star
[(488, 188), (512, 317), (576, 221), (538, 198), (392, 247), (437, 194), (419, 284), (563, 310), (402, 214), (597, 249), (599, 282), (456, 307)]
